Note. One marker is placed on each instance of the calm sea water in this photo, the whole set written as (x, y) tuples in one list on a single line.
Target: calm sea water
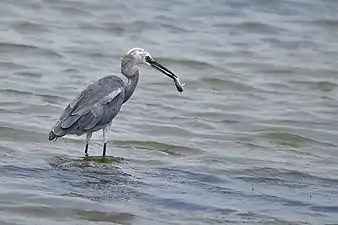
[(251, 140)]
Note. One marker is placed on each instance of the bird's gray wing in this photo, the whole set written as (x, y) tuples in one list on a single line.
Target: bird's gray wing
[(102, 112), (98, 104)]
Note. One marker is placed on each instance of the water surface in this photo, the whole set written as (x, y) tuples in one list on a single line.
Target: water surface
[(251, 140)]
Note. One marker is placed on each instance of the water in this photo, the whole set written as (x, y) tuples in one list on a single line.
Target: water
[(251, 140)]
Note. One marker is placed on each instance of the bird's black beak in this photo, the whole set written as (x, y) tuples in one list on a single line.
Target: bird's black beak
[(161, 68)]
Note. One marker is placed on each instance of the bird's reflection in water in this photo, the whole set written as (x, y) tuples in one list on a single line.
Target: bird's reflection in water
[(104, 159), (93, 177)]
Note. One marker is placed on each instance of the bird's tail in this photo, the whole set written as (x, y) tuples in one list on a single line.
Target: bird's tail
[(56, 132), (52, 136)]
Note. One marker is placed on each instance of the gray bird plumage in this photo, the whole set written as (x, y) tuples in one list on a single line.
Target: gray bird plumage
[(98, 104), (95, 107)]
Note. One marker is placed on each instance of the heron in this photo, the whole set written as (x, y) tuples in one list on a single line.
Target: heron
[(99, 103)]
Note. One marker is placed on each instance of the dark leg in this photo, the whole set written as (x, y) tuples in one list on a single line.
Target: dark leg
[(104, 149), (89, 135), (86, 150), (105, 133)]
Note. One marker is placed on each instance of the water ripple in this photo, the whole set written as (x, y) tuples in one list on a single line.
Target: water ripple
[(251, 140), (25, 48)]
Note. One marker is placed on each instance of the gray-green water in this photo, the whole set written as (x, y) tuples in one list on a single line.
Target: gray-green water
[(252, 140)]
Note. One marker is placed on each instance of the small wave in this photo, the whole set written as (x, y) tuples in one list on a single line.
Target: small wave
[(29, 27), (317, 85), (187, 62), (119, 28), (289, 139), (189, 206), (264, 219), (6, 46), (272, 181), (284, 175), (248, 144), (20, 48), (91, 54), (175, 29), (284, 201), (15, 92), (11, 133), (72, 10), (276, 70), (98, 216), (18, 171), (228, 84), (196, 178), (173, 150), (29, 74), (52, 99), (71, 70), (111, 27), (52, 211), (257, 27), (327, 23), (327, 209), (44, 97), (12, 65)]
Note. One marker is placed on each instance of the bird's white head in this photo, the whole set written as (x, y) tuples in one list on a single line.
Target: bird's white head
[(140, 56)]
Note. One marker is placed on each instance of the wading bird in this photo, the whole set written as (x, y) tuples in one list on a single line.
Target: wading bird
[(97, 105)]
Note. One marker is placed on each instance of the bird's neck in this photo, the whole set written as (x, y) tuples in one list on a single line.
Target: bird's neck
[(130, 86)]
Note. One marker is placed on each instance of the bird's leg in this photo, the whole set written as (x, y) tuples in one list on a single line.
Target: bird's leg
[(89, 135), (105, 137)]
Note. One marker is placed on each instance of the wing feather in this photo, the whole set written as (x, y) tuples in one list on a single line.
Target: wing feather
[(69, 121), (101, 112), (88, 121), (92, 106)]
